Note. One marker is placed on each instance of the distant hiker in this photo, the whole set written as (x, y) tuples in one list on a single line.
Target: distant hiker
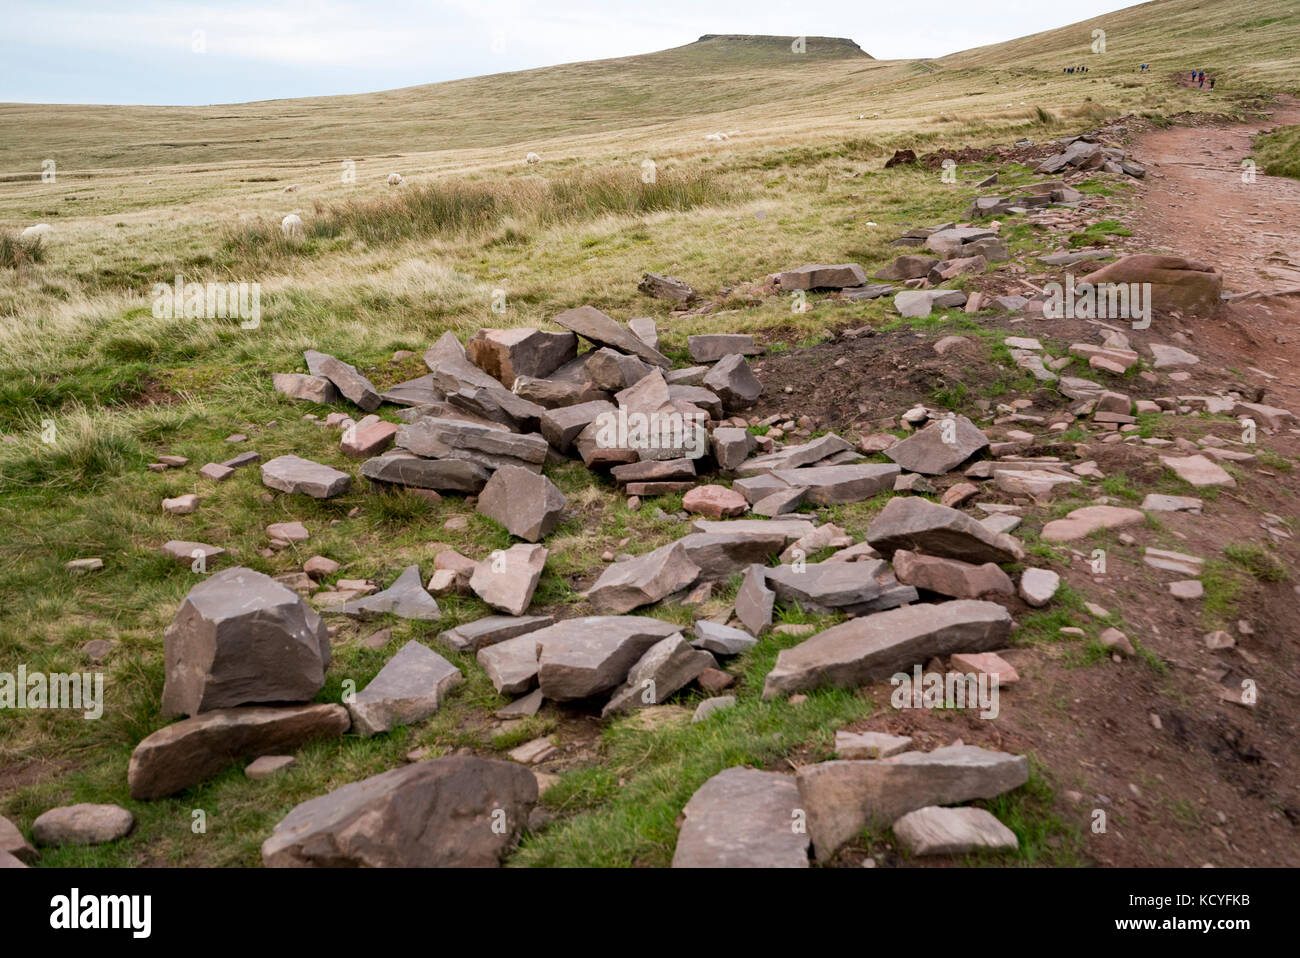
[(1211, 83)]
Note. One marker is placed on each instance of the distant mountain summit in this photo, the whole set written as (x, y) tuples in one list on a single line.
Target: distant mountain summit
[(758, 46)]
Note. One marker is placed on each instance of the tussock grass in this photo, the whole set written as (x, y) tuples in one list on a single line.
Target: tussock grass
[(466, 208), (17, 253)]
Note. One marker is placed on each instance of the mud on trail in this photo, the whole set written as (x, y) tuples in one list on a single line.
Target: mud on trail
[(1184, 778)]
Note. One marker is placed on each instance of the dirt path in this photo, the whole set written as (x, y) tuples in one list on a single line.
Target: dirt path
[(1196, 203)]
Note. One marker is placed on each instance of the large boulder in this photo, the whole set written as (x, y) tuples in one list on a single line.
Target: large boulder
[(506, 579), (507, 354), (733, 382), (296, 474), (454, 812), (1177, 283), (583, 657), (239, 637), (742, 818), (527, 504), (194, 749), (940, 447), (841, 798), (909, 522), (877, 646), (411, 685)]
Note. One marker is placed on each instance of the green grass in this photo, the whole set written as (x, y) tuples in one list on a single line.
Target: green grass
[(1278, 153), (1258, 560)]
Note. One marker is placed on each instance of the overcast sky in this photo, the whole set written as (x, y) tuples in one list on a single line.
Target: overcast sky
[(148, 51)]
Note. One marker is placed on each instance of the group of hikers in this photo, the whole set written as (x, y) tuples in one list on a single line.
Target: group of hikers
[(1200, 79), (1075, 70)]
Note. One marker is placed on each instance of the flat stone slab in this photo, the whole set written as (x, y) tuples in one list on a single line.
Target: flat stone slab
[(741, 818), (792, 529), (1199, 471), (843, 797), (188, 752), (295, 474), (410, 686), (1155, 502), (442, 475), (722, 639), (950, 577), (720, 555), (491, 629), (583, 657), (1178, 562), (405, 598), (940, 447), (458, 811), (860, 745), (833, 485), (827, 586), (877, 646), (711, 347), (643, 580), (84, 824), (439, 438), (953, 831), (591, 324), (1089, 519), (1038, 586), (923, 526)]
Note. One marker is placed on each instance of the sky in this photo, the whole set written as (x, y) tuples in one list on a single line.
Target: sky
[(178, 53)]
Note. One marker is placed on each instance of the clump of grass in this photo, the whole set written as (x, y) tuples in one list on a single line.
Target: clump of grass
[(17, 253), (1278, 153), (1257, 560), (1098, 234)]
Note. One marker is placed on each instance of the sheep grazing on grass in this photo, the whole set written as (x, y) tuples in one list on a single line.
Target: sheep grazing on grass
[(715, 137), (532, 159), (291, 188), (395, 179), (39, 231), (291, 226)]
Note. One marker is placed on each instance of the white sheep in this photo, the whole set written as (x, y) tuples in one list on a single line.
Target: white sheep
[(532, 159), (714, 137), (291, 188), (731, 133), (39, 231), (291, 226), (394, 179)]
